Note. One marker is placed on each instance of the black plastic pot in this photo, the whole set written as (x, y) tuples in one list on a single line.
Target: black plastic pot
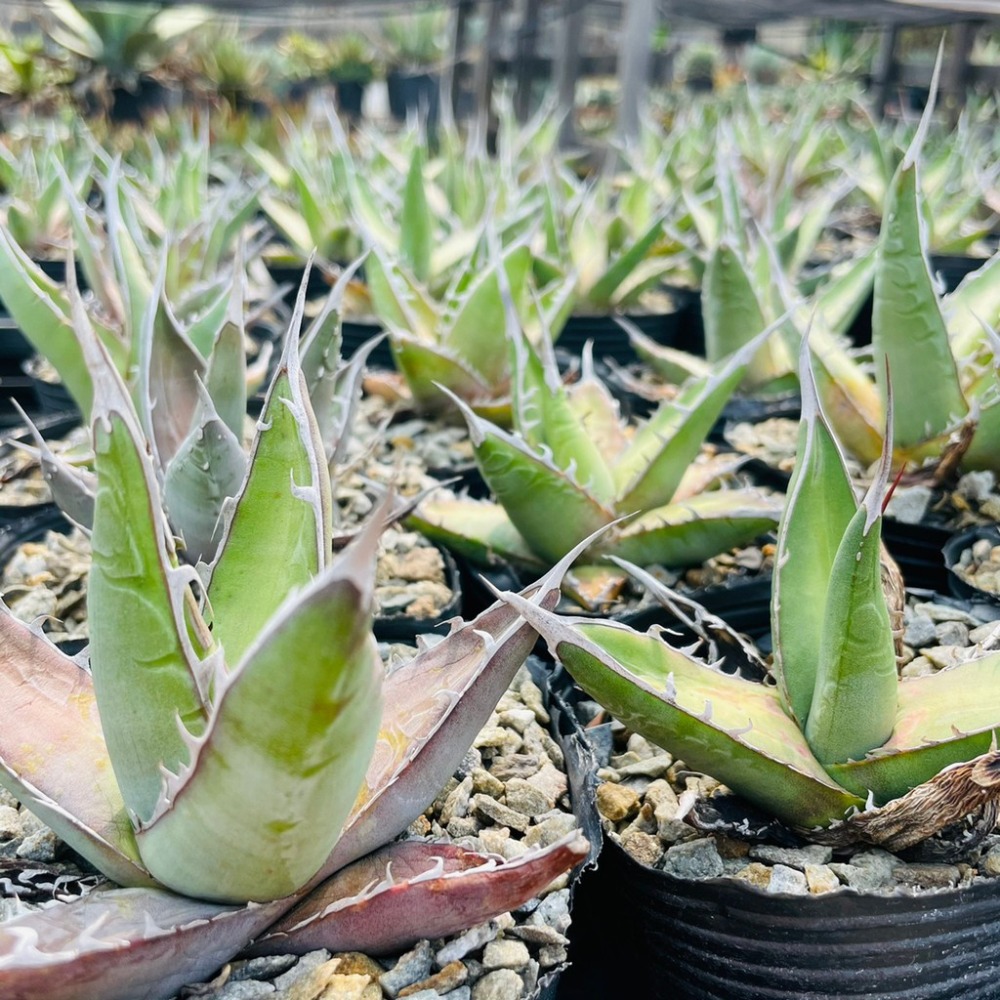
[(917, 548), (355, 333), (350, 97), (721, 939), (414, 94), (952, 552)]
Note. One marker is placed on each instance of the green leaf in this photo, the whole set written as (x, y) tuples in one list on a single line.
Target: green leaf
[(477, 530), (688, 533), (818, 511), (148, 643), (907, 326), (734, 729), (289, 738), (281, 518), (854, 701), (650, 471), (941, 719), (416, 238)]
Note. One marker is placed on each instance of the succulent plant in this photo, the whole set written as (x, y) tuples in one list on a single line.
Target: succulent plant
[(838, 748), (939, 347), (572, 465), (123, 39), (235, 744)]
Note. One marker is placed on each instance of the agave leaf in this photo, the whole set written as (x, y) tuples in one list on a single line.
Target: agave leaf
[(122, 944), (733, 314), (853, 706), (839, 300), (399, 301), (427, 368), (289, 530), (148, 640), (737, 730), (546, 419), (72, 488), (416, 224), (435, 703), (478, 530), (688, 533), (674, 365), (42, 314), (66, 778), (203, 331), (850, 399), (820, 506), (518, 477), (602, 292), (208, 468), (907, 326), (475, 331), (941, 719), (288, 739), (597, 410), (169, 373), (650, 471), (226, 376), (413, 890), (976, 299)]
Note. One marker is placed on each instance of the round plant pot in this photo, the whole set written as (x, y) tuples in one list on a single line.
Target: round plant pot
[(952, 553), (350, 97), (414, 94), (722, 939), (917, 548)]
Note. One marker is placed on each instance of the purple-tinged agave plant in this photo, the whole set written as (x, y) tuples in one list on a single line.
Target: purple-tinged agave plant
[(235, 752), (839, 748)]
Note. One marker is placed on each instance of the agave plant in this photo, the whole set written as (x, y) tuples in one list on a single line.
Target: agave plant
[(938, 346), (235, 754), (572, 465), (839, 748), (122, 39)]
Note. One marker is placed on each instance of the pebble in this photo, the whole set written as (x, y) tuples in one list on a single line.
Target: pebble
[(472, 940), (615, 802), (952, 633), (503, 984), (695, 859), (820, 879), (793, 857), (450, 977), (920, 632), (506, 953), (488, 808), (410, 968), (785, 879)]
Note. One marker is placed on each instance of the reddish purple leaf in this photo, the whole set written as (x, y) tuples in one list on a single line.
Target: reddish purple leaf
[(124, 944), (413, 890)]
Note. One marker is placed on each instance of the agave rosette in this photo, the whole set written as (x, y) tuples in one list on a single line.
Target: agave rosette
[(572, 465), (235, 743), (839, 748)]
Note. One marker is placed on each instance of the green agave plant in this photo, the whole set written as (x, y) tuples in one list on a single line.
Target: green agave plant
[(235, 756), (839, 748), (573, 465)]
